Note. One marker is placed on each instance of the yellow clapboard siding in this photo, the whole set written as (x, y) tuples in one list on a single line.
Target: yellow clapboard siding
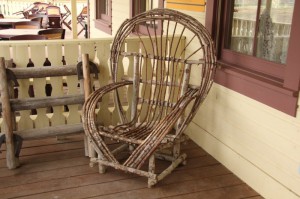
[(186, 7), (230, 124), (197, 2), (274, 163), (192, 5), (252, 175)]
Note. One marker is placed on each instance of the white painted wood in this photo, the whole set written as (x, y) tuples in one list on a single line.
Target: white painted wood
[(74, 18)]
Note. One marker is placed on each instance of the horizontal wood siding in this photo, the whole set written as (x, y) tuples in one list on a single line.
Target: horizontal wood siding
[(190, 5), (259, 144)]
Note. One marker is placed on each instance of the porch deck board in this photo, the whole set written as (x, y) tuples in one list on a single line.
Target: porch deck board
[(52, 169)]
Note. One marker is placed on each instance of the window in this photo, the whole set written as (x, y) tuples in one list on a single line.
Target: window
[(103, 15), (257, 49), (260, 28), (139, 6)]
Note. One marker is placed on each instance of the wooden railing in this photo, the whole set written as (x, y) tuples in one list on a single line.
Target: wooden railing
[(243, 34), (8, 7), (69, 51)]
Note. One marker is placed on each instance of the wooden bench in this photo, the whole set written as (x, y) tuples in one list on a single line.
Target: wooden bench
[(11, 106)]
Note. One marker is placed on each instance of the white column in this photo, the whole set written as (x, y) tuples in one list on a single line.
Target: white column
[(74, 18)]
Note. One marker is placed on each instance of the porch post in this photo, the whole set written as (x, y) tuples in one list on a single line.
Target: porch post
[(74, 18)]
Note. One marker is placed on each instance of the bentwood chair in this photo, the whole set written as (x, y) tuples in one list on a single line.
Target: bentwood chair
[(170, 73), (27, 25), (28, 37), (53, 33)]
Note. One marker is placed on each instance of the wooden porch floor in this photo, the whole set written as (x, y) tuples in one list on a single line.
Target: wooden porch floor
[(52, 169)]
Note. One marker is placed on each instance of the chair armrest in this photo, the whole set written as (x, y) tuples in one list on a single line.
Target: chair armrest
[(88, 109)]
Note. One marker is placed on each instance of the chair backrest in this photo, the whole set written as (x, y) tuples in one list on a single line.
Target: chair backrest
[(27, 25), (53, 33), (28, 37), (53, 11), (174, 47)]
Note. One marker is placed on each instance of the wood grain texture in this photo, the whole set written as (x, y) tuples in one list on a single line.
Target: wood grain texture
[(66, 174)]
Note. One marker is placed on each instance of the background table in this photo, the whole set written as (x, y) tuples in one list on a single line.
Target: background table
[(7, 33)]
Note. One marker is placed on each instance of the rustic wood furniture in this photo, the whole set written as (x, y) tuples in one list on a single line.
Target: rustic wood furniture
[(12, 105), (163, 99)]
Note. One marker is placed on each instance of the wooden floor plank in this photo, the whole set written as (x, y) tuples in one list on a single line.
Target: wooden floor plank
[(45, 157), (169, 189), (59, 170), (117, 180), (229, 192), (49, 148), (253, 197)]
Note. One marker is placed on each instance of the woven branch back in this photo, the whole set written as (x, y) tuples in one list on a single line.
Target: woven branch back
[(172, 45)]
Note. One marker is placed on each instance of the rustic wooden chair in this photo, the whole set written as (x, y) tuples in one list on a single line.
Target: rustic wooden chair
[(162, 98), (53, 33)]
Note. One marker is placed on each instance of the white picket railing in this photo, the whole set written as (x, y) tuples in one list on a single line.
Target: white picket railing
[(99, 52)]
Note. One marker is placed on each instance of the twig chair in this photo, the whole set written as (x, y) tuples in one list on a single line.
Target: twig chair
[(162, 98)]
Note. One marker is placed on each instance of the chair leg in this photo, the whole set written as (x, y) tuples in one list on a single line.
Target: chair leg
[(101, 167), (176, 151), (174, 164), (151, 181)]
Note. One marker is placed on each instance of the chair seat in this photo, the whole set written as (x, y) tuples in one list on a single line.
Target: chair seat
[(131, 134)]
